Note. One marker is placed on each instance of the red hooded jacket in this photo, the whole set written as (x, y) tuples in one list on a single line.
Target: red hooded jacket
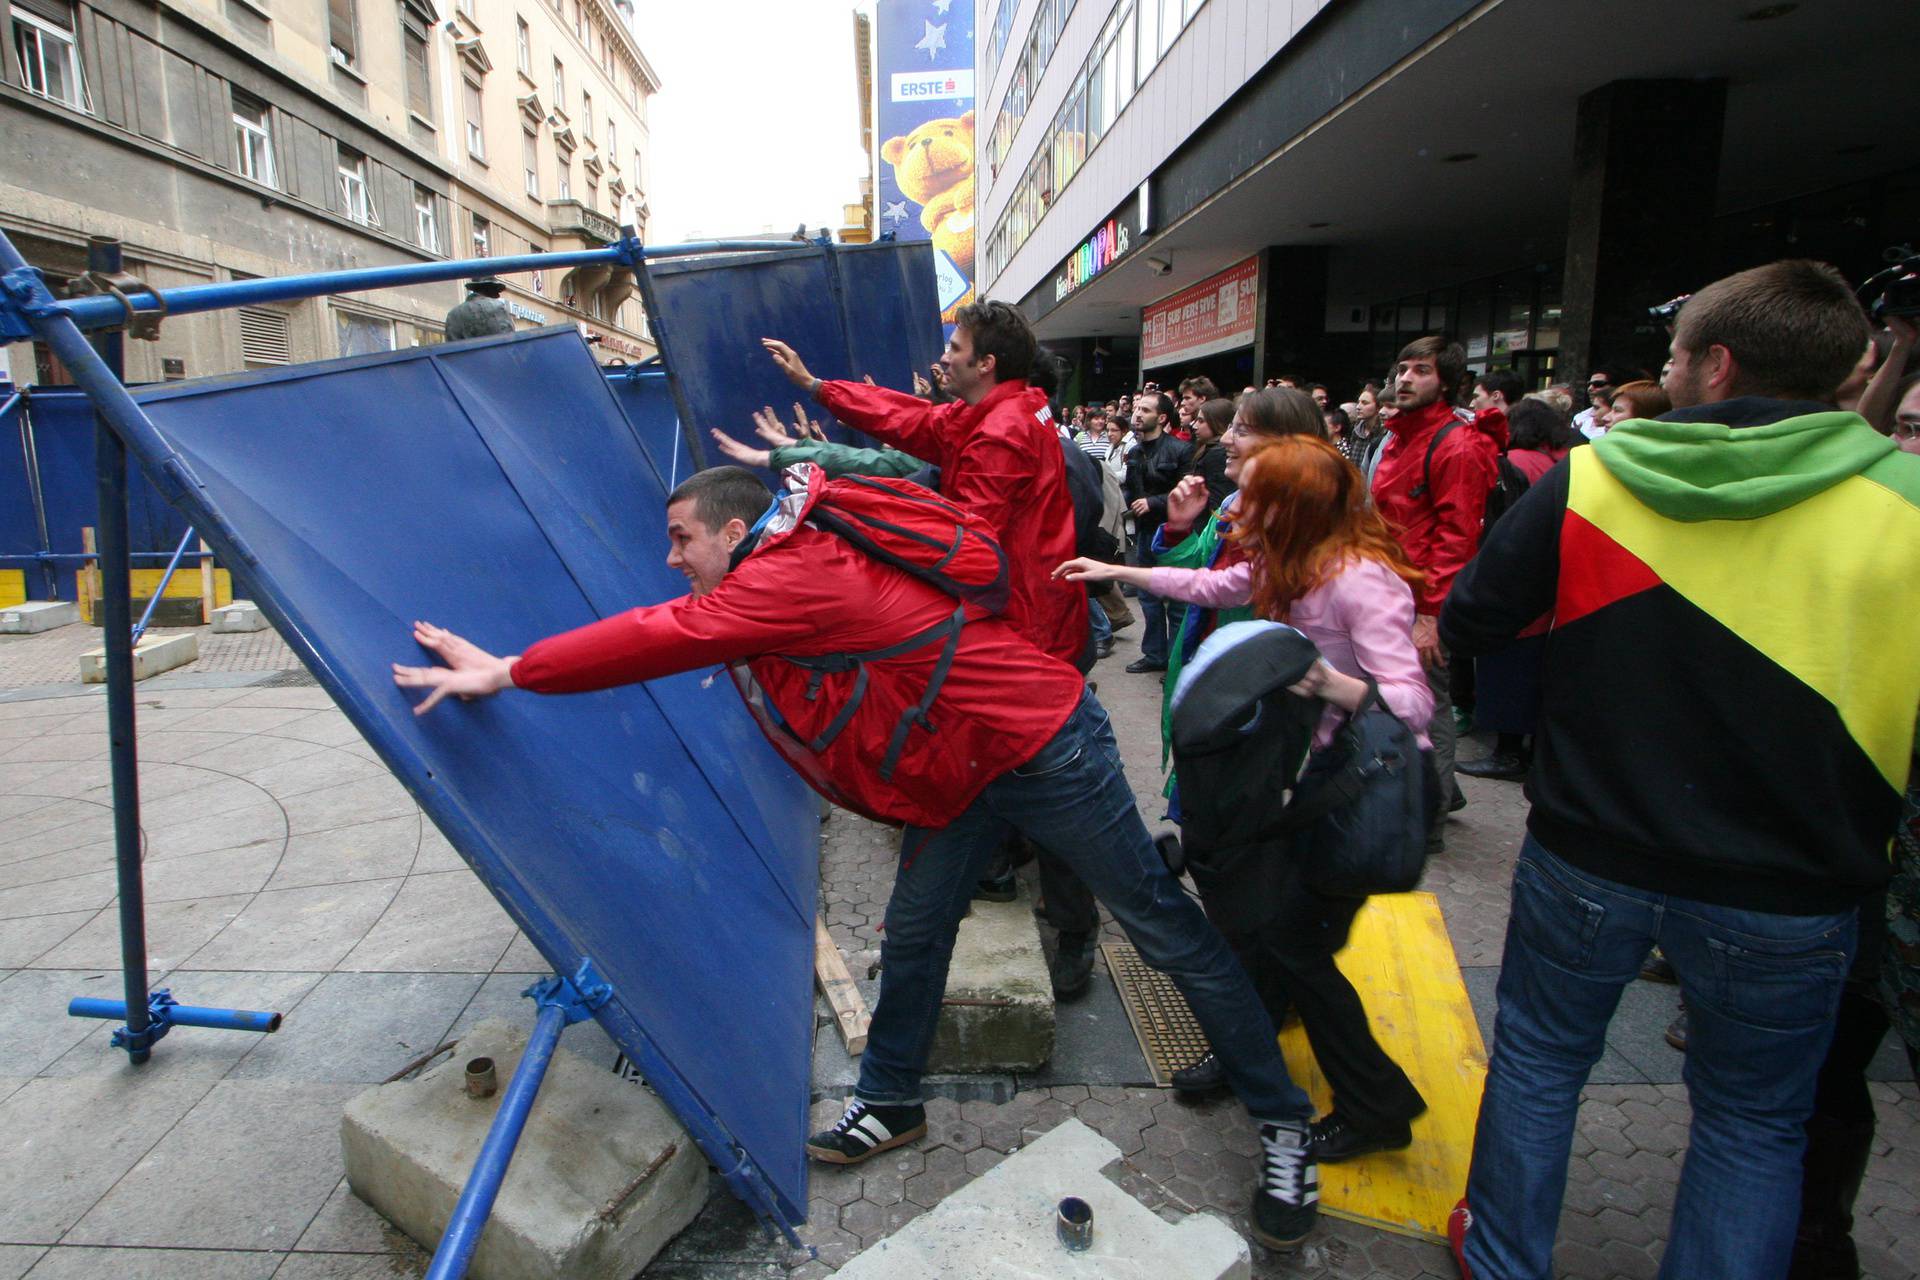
[(1000, 460), (808, 593), (1439, 530)]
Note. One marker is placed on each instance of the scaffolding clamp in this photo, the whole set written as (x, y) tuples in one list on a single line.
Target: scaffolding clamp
[(577, 997), (139, 323), (23, 293)]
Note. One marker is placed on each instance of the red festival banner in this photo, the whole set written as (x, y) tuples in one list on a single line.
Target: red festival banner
[(1215, 315)]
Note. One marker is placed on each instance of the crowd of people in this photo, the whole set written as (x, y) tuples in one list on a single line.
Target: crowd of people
[(1680, 611)]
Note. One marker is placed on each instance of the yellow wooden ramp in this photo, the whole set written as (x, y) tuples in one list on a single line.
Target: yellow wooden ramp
[(13, 587), (1401, 961)]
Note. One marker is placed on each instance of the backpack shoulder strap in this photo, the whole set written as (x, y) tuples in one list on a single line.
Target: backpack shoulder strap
[(1426, 469)]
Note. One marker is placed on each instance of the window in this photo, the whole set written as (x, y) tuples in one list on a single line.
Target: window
[(566, 182), (482, 237), (49, 52), (265, 337), (523, 47), (355, 198), (559, 87), (342, 31), (363, 335), (476, 135), (638, 181), (464, 6), (613, 141), (416, 24), (530, 161), (606, 55), (633, 92), (426, 221), (593, 195), (580, 21), (252, 144), (586, 115)]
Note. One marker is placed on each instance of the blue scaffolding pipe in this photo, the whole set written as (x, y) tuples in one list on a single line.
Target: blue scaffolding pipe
[(163, 1015), (82, 557), (107, 311), (462, 1236), (140, 627)]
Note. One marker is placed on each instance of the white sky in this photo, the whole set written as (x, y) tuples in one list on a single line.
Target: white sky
[(757, 126)]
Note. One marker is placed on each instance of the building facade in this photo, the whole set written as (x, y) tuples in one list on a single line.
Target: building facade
[(1251, 188), (221, 139)]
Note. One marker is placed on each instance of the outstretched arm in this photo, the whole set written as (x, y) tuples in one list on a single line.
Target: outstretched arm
[(470, 671)]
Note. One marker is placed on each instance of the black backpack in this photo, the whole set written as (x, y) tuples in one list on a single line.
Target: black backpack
[(1508, 483)]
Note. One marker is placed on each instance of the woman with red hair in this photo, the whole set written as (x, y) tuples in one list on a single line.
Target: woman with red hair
[(1316, 555)]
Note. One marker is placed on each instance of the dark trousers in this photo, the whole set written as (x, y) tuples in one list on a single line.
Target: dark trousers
[(1070, 905)]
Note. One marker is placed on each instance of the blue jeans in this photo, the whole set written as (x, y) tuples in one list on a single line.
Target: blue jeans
[(1097, 622), (1761, 992), (1073, 801), (1156, 636)]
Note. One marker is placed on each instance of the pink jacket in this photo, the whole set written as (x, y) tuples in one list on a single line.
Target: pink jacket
[(1361, 619)]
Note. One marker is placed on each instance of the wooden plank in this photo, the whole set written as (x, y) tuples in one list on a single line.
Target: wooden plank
[(836, 984), (87, 581), (207, 605)]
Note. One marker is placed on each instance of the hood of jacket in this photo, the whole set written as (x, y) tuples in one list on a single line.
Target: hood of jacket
[(1739, 459)]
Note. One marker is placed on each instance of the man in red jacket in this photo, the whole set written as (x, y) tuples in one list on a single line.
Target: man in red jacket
[(997, 458), (1431, 487), (1011, 742)]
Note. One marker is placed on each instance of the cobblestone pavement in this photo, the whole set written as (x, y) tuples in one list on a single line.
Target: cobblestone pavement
[(286, 869)]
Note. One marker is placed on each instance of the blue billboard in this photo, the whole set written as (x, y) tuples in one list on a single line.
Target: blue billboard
[(924, 60)]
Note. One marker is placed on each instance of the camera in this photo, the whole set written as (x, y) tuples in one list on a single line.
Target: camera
[(1896, 290)]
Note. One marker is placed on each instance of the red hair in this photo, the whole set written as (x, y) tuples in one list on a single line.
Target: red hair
[(1302, 512)]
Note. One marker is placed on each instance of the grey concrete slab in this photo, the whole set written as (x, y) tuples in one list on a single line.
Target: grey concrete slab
[(352, 1266), (175, 930), (311, 928), (18, 1259), (444, 923), (10, 1085), (306, 698), (229, 717), (24, 876), (436, 852), (240, 753), (1481, 980), (51, 827), (347, 1224), (64, 1143), (368, 851), (523, 957), (58, 746), (205, 875), (22, 941), (14, 806), (224, 793), (328, 728), (199, 1052), (33, 1010), (263, 820), (1093, 1042), (348, 803), (75, 1263), (500, 996), (167, 746), (326, 767), (358, 1027), (248, 1167)]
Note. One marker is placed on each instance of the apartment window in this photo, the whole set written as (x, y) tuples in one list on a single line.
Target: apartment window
[(523, 46), (606, 56), (559, 87), (638, 181), (482, 237), (416, 28), (530, 161), (252, 143), (464, 6), (580, 21), (593, 195), (354, 194), (586, 115), (342, 31), (49, 51), (566, 183), (363, 335), (265, 337), (426, 220), (613, 141), (476, 135), (633, 93)]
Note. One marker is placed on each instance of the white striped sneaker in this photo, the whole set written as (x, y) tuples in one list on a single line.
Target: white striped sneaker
[(1286, 1202), (867, 1130)]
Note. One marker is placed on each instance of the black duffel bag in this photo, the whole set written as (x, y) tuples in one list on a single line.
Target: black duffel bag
[(1363, 806)]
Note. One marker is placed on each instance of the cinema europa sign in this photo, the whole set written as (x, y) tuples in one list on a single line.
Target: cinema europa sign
[(1107, 245)]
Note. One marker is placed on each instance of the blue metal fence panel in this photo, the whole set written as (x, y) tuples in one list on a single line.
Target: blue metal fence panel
[(893, 318), (495, 488), (648, 403), (19, 526)]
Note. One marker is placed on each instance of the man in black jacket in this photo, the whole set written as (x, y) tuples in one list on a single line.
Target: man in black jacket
[(1156, 465)]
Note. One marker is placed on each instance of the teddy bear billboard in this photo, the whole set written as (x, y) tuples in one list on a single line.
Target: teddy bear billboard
[(924, 54)]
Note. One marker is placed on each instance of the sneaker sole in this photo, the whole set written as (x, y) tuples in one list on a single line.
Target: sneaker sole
[(826, 1155), (1287, 1244), (1371, 1149)]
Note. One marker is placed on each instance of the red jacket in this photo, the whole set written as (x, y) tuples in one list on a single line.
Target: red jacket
[(1438, 530), (806, 592), (1001, 461)]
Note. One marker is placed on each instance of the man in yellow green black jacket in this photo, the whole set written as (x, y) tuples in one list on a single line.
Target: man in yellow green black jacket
[(1728, 701)]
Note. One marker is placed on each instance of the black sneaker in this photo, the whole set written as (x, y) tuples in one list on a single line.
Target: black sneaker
[(1336, 1138), (867, 1131), (1286, 1201), (1204, 1077), (997, 888), (1657, 968), (1072, 968), (1140, 666), (1677, 1031)]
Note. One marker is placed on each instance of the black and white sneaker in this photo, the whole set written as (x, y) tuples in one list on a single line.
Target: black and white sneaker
[(1286, 1203), (867, 1130)]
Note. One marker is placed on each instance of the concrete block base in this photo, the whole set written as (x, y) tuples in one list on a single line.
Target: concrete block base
[(241, 615), (1002, 1224), (603, 1177), (150, 657), (36, 616), (1001, 1013)]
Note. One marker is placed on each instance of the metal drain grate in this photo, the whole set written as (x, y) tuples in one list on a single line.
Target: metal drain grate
[(1169, 1035), (286, 680)]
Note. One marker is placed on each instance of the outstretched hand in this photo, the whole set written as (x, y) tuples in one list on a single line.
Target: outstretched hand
[(1086, 569), (470, 671), (1188, 502), (741, 452), (789, 361)]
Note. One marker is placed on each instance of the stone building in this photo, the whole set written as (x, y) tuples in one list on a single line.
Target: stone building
[(221, 139)]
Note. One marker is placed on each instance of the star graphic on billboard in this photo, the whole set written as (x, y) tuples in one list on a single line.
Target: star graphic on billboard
[(934, 41), (941, 6), (895, 212)]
